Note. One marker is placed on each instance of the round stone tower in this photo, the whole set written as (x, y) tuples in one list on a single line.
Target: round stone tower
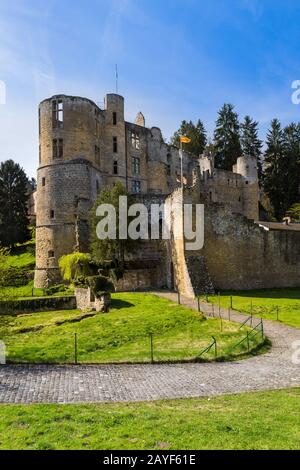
[(247, 167), (68, 179)]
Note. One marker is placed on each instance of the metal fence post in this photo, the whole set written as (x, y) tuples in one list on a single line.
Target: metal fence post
[(231, 301), (229, 314), (248, 344), (75, 348), (198, 304), (216, 348), (262, 329), (277, 313), (151, 348)]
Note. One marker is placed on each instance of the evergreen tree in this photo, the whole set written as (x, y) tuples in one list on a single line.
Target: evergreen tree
[(109, 249), (227, 138), (291, 165), (13, 204), (197, 134), (273, 180), (250, 143)]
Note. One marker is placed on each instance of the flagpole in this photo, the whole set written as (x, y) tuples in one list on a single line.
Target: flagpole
[(181, 165)]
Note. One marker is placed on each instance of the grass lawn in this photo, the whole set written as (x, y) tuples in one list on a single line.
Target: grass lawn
[(122, 335), (20, 259), (264, 420), (265, 303), (21, 292), (28, 291)]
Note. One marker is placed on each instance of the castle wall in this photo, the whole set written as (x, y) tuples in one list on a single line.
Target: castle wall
[(238, 188), (84, 148), (241, 255)]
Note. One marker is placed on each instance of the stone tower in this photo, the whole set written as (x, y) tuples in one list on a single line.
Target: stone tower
[(247, 167), (68, 179)]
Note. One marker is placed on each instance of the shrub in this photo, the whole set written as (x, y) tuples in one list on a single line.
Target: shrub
[(294, 212), (55, 289), (74, 265), (100, 285), (14, 277)]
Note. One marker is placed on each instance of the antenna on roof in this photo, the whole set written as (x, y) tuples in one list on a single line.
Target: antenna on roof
[(117, 80)]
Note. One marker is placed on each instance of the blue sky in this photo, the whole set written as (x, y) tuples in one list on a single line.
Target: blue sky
[(177, 59)]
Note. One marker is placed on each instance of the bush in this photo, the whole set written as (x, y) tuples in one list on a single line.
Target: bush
[(74, 265), (14, 277), (294, 212), (55, 289), (100, 285)]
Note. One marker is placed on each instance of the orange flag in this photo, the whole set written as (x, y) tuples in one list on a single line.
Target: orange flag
[(184, 139)]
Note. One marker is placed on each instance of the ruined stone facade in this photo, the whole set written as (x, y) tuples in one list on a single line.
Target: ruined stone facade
[(84, 148)]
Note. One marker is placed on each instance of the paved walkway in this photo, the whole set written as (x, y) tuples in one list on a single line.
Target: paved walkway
[(82, 384)]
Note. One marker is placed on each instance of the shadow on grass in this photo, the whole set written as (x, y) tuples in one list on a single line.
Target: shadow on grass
[(290, 293), (118, 304)]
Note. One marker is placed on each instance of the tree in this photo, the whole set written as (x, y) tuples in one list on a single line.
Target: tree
[(14, 220), (74, 265), (250, 143), (291, 165), (226, 138), (294, 212), (197, 134), (273, 180), (109, 249)]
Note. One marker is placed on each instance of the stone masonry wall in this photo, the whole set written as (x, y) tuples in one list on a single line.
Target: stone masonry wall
[(241, 255)]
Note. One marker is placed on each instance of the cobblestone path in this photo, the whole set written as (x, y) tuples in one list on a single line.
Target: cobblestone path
[(113, 383)]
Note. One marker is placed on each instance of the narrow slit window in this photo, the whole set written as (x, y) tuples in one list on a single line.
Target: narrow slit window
[(58, 148), (114, 118), (115, 144), (43, 181), (51, 254), (52, 214), (97, 155), (116, 169)]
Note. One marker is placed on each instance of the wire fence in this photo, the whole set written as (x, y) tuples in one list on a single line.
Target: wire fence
[(153, 347), (274, 312)]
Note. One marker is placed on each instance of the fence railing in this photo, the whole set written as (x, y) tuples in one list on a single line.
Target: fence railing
[(206, 350), (250, 335), (273, 311), (75, 348)]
